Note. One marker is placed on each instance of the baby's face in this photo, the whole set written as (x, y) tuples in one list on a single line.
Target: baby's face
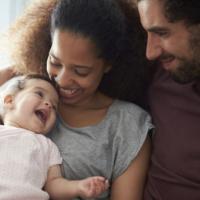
[(34, 108)]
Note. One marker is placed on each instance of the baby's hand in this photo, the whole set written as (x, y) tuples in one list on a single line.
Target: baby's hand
[(92, 187)]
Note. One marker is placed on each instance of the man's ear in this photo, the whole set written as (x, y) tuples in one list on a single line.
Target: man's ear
[(8, 101), (107, 69)]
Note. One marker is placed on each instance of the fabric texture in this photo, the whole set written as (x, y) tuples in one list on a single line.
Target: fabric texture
[(175, 163), (25, 160), (105, 149)]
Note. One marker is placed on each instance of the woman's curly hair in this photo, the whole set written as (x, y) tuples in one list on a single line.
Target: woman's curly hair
[(28, 39)]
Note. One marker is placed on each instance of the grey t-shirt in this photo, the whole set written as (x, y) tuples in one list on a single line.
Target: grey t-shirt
[(105, 149)]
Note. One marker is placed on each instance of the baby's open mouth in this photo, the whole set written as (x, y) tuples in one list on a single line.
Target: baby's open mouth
[(42, 115)]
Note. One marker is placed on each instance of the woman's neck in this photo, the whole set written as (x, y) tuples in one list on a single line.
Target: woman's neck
[(89, 113)]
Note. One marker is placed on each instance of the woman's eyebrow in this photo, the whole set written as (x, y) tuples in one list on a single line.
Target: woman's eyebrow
[(76, 65), (83, 66)]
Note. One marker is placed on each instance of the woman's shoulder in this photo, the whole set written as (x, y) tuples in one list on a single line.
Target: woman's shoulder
[(127, 114), (120, 115), (127, 108)]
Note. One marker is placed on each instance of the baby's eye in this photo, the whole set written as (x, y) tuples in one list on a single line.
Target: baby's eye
[(39, 93)]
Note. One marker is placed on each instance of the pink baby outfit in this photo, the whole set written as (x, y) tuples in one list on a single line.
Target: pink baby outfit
[(25, 158)]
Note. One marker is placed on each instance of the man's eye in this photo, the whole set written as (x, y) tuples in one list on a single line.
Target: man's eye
[(39, 93), (163, 33)]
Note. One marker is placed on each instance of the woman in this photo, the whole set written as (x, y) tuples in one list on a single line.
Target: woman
[(95, 61)]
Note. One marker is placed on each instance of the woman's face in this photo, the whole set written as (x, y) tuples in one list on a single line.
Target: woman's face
[(74, 63)]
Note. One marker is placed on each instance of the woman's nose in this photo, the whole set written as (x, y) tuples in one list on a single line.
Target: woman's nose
[(64, 78)]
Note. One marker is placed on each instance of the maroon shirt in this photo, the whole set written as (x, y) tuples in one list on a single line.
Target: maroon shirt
[(175, 168)]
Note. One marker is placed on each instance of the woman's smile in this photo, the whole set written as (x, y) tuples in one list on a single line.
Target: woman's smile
[(70, 93)]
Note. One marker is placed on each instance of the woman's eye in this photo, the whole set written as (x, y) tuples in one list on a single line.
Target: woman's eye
[(82, 71), (55, 64)]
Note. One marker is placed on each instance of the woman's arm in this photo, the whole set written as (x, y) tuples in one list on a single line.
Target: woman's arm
[(130, 185), (6, 74)]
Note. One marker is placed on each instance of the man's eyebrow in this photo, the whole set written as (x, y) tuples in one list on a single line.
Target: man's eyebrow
[(157, 29)]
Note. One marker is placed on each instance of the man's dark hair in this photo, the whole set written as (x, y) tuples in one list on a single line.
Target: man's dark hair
[(186, 10)]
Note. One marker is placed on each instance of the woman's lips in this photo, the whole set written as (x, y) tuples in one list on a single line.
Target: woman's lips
[(69, 93)]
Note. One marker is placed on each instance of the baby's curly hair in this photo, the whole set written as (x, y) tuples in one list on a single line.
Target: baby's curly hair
[(28, 38)]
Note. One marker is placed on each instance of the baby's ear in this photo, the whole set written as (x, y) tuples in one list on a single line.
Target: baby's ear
[(8, 101)]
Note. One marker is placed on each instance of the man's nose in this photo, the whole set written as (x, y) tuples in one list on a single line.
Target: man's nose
[(153, 48)]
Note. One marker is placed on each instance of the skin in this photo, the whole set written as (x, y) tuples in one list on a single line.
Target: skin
[(6, 74), (36, 102), (72, 60), (78, 71), (69, 57), (40, 95), (74, 63), (130, 185), (168, 43), (60, 188)]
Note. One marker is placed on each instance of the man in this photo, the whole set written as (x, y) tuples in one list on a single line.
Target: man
[(173, 40)]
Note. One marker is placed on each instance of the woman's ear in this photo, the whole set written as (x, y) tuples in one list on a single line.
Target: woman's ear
[(8, 101)]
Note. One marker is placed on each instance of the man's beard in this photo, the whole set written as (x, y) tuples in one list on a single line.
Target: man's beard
[(189, 69)]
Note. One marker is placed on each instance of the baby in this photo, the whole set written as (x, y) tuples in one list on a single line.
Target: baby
[(30, 162)]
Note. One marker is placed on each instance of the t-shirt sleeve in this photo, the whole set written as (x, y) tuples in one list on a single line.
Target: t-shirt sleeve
[(54, 154), (132, 131)]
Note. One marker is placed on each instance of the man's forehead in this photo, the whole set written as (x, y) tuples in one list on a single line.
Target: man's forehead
[(152, 14)]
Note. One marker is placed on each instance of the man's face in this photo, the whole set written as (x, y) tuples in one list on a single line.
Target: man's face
[(174, 45)]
